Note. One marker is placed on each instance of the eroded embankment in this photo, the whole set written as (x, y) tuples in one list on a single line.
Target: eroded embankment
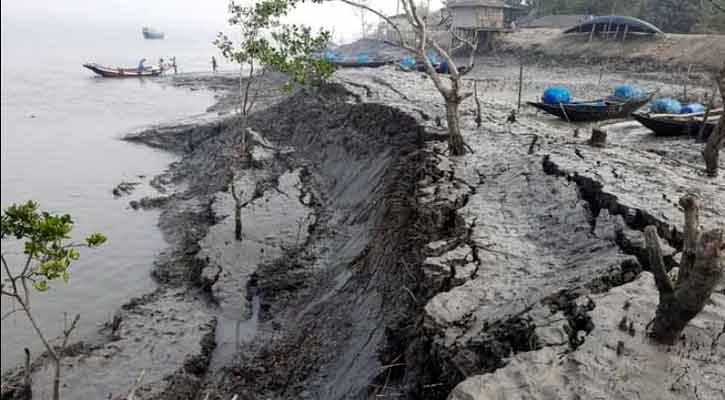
[(338, 313), (383, 267)]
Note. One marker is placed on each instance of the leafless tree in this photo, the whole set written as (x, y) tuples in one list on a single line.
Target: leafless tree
[(701, 269), (716, 141), (451, 85)]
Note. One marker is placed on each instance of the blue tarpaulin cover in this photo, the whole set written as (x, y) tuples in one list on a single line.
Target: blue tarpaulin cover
[(692, 108), (556, 95), (666, 105), (627, 92)]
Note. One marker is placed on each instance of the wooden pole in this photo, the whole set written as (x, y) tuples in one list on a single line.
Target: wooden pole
[(626, 30), (616, 33), (479, 120), (684, 86), (591, 34), (601, 75), (521, 83)]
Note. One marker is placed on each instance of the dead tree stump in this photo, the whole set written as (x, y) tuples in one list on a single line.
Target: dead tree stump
[(701, 271), (599, 138), (716, 141)]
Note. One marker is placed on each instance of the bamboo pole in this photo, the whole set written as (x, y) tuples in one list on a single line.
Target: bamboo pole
[(521, 83), (684, 86)]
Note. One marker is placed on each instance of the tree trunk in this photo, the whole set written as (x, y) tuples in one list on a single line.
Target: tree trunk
[(27, 380), (238, 222), (680, 304), (56, 379), (455, 139), (715, 142)]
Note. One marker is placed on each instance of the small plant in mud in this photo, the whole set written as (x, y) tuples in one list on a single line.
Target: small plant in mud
[(701, 269), (264, 43), (48, 254)]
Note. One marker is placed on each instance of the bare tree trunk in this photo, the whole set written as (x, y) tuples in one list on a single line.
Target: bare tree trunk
[(238, 205), (237, 222), (56, 379), (27, 380), (680, 304), (715, 142), (455, 139)]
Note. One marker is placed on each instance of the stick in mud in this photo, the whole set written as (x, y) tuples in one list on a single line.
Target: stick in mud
[(568, 121), (478, 104), (684, 85), (533, 144), (521, 82)]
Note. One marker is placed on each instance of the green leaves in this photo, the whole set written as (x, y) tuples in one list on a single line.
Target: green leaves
[(95, 240), (291, 49), (45, 236)]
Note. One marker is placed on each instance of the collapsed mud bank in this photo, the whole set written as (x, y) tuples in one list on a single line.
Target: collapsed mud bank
[(373, 264)]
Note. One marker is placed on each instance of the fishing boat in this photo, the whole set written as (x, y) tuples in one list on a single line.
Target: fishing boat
[(151, 33), (595, 110), (116, 72), (679, 124)]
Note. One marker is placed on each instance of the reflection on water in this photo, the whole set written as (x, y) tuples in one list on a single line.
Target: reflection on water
[(60, 130)]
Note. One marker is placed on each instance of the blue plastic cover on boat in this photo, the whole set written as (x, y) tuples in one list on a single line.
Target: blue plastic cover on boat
[(627, 92), (443, 67), (332, 56), (692, 108), (433, 58), (666, 105), (556, 95), (408, 62), (363, 58)]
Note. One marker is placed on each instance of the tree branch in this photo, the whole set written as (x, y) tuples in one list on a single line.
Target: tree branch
[(691, 206), (657, 265), (382, 16)]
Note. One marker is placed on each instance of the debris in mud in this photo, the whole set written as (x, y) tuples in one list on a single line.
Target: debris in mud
[(124, 188)]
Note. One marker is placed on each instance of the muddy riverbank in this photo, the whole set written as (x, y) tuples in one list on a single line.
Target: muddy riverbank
[(373, 264)]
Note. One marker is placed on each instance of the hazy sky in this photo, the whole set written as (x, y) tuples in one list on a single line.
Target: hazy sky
[(171, 15)]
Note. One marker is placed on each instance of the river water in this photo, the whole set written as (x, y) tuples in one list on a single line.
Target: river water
[(60, 146)]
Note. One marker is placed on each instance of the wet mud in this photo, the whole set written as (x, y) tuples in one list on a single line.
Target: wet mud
[(373, 264)]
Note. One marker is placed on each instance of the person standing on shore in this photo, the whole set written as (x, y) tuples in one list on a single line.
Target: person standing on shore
[(173, 64), (213, 64)]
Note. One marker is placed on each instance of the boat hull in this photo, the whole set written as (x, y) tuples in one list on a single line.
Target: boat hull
[(354, 64), (108, 72), (574, 112), (151, 35), (672, 127)]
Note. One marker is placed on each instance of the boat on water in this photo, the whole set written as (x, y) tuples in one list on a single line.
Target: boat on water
[(118, 72), (594, 110), (679, 124), (151, 33)]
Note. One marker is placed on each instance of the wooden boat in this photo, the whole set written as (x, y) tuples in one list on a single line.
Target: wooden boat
[(356, 64), (113, 72), (595, 110), (679, 124), (151, 33)]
